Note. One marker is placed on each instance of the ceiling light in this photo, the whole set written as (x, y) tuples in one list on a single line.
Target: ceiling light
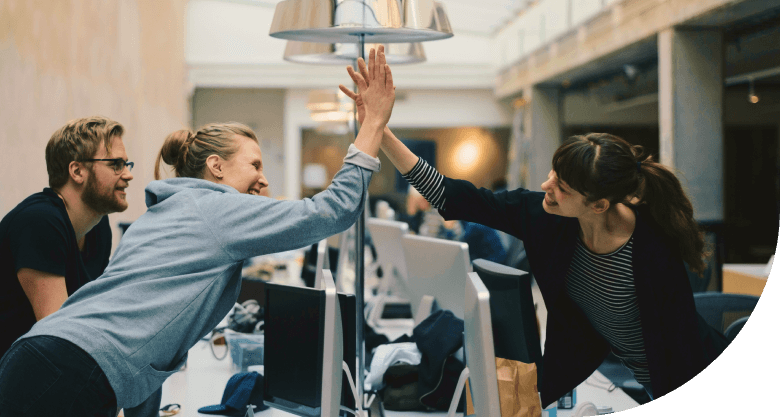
[(344, 21), (347, 53)]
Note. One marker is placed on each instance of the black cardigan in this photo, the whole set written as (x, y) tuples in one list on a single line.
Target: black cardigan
[(678, 343)]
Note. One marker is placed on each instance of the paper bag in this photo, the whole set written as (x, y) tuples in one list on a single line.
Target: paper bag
[(517, 390), (469, 401)]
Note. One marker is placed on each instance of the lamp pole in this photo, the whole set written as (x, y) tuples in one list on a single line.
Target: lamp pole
[(336, 21), (360, 228)]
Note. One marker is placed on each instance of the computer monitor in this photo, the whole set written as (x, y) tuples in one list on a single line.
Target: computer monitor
[(346, 245), (438, 268), (513, 316), (386, 236), (393, 295), (478, 342), (306, 341), (323, 262)]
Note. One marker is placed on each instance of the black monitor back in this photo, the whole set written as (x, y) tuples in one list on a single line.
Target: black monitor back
[(512, 312), (348, 327), (294, 320), (309, 269)]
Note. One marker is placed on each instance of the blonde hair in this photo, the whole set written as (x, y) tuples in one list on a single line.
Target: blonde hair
[(186, 151), (78, 140)]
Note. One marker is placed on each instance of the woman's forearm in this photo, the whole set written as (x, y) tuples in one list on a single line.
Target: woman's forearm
[(402, 158), (369, 137)]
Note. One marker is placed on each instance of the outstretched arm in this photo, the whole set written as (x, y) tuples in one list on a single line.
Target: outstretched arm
[(377, 98), (457, 199), (401, 157)]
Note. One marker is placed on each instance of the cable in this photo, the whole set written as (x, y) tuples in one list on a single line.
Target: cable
[(343, 408), (611, 387), (358, 404), (370, 399)]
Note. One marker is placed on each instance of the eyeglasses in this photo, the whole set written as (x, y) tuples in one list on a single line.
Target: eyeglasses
[(117, 164)]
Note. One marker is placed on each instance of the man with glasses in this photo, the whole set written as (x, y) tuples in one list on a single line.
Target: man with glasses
[(57, 240)]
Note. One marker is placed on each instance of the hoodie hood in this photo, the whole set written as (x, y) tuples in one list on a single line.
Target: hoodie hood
[(159, 191)]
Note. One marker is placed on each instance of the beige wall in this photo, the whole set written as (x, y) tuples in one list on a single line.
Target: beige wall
[(260, 109), (61, 60)]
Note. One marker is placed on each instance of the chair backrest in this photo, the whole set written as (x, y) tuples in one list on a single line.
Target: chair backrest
[(515, 253), (720, 310), (735, 327)]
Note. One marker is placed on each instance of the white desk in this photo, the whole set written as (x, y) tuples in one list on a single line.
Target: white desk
[(203, 382), (594, 389)]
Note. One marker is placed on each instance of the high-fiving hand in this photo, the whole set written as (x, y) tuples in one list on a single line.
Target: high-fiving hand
[(375, 83)]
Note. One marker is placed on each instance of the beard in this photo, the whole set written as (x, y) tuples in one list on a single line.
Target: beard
[(103, 201)]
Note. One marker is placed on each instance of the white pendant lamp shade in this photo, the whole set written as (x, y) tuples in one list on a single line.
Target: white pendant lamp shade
[(347, 53), (343, 21)]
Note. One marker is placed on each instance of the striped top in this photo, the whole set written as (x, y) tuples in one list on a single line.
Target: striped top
[(425, 179), (601, 285)]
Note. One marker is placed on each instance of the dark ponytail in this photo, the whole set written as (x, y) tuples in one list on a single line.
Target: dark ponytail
[(671, 208), (600, 165), (186, 151)]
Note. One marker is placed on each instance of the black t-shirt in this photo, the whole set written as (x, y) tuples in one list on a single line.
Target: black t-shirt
[(37, 234)]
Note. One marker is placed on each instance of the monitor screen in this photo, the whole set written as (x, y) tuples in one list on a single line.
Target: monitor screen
[(294, 329), (294, 325)]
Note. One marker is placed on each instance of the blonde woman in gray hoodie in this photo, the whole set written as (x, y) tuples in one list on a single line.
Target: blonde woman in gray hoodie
[(177, 271)]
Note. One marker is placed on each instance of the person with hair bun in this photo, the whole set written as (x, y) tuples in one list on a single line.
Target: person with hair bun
[(607, 242), (177, 270)]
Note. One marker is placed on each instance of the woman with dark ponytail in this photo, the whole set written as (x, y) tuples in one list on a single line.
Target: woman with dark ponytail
[(177, 270), (607, 241)]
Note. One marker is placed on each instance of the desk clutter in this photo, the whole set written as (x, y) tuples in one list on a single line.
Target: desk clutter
[(244, 389), (420, 371), (302, 339)]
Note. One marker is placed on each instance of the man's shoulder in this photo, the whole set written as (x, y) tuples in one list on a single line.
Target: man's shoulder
[(37, 209)]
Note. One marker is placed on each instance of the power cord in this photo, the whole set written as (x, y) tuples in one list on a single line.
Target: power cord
[(605, 385), (359, 412)]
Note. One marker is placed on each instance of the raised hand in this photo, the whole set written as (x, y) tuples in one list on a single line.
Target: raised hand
[(375, 83)]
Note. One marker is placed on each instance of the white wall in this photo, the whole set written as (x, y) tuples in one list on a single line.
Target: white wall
[(539, 24), (120, 59), (260, 109)]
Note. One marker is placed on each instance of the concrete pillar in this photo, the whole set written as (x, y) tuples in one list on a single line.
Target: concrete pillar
[(296, 117), (542, 133), (690, 104)]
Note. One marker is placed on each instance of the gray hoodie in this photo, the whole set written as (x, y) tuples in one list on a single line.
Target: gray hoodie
[(177, 271)]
